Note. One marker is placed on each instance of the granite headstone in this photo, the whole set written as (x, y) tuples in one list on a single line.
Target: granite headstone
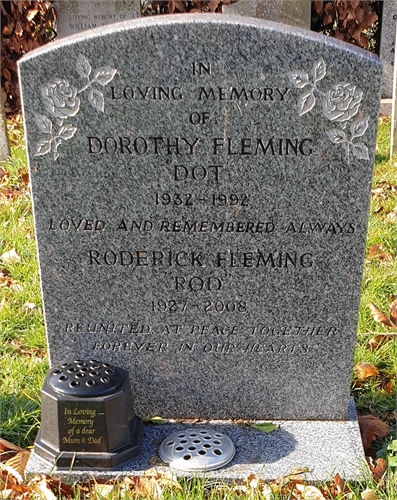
[(293, 12), (75, 16), (201, 210)]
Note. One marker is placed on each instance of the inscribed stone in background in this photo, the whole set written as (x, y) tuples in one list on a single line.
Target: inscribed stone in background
[(75, 16)]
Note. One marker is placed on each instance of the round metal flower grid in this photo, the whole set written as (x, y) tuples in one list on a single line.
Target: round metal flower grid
[(197, 450), (85, 378)]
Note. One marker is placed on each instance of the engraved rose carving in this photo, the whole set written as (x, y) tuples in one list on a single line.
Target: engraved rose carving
[(60, 99), (62, 102), (342, 102)]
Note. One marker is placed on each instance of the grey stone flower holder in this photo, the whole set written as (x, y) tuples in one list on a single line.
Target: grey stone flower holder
[(88, 419)]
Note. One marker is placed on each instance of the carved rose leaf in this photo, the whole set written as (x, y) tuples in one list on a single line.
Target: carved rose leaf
[(337, 136), (342, 102), (360, 151), (306, 102), (83, 66), (42, 148), (319, 70), (298, 79), (44, 124), (104, 75), (67, 131), (96, 99), (359, 127)]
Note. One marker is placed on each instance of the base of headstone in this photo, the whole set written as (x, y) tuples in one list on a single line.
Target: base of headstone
[(386, 107), (324, 447)]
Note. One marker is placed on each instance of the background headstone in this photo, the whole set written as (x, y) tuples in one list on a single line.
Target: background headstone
[(75, 16), (393, 135), (201, 210), (4, 144), (387, 52), (293, 12)]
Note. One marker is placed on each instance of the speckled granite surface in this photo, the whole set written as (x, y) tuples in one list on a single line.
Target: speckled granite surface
[(326, 448), (201, 188)]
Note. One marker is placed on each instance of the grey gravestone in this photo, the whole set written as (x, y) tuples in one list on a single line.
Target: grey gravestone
[(201, 211), (387, 45), (294, 12), (4, 144), (75, 16)]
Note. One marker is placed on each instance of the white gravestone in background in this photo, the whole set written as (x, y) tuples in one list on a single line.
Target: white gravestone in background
[(4, 146), (294, 12), (387, 46), (81, 15)]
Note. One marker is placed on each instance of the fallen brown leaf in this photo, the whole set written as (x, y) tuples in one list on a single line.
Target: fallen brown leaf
[(387, 384), (375, 249), (370, 427), (393, 312), (340, 485), (28, 306), (309, 492), (3, 173), (369, 495), (8, 450), (380, 469), (41, 485), (10, 257), (379, 194), (379, 316), (16, 465), (364, 370), (378, 341)]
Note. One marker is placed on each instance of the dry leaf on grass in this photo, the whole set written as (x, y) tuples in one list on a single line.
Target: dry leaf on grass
[(364, 370), (41, 485), (8, 450), (379, 470), (340, 485), (369, 495), (393, 311), (152, 484), (378, 341), (379, 316), (16, 465), (379, 252), (370, 427), (28, 306), (309, 492), (10, 257)]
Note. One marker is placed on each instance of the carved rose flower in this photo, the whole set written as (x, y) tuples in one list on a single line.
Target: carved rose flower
[(60, 99), (342, 102)]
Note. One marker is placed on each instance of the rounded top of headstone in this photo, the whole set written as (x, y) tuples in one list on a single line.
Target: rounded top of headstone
[(85, 378)]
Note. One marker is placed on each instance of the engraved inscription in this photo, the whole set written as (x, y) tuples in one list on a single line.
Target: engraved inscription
[(81, 426)]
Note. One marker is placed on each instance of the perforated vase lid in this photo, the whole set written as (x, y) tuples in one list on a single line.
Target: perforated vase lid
[(85, 378), (197, 450)]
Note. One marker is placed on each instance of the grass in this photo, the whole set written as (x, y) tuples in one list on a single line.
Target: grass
[(23, 361)]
